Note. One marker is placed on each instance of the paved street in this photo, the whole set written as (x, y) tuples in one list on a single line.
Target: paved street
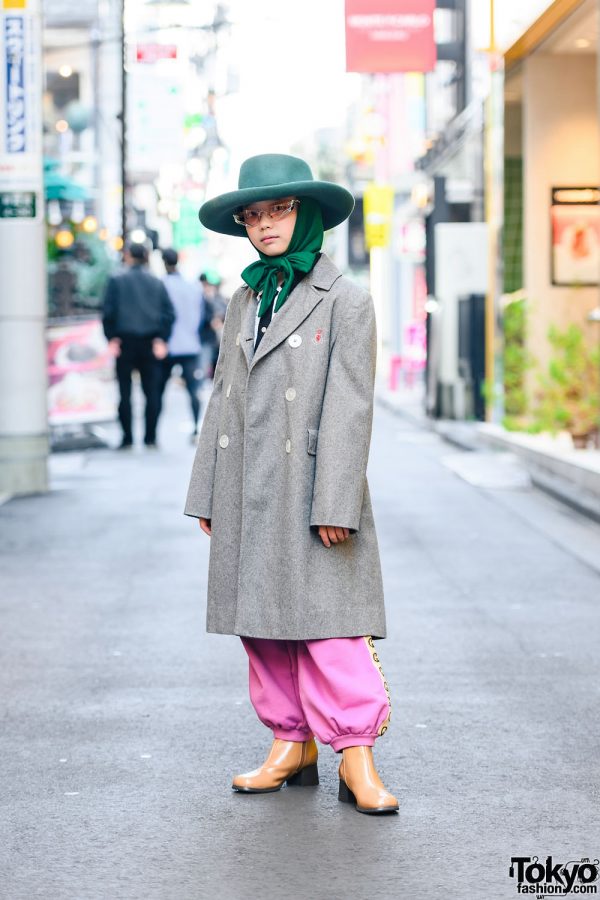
[(123, 722)]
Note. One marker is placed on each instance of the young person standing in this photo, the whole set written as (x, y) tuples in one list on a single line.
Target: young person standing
[(279, 484)]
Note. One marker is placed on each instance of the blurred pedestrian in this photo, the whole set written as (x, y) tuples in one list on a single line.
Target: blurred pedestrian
[(138, 317), (279, 483), (184, 342), (215, 307)]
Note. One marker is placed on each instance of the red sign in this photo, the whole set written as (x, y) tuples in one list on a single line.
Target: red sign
[(151, 53), (390, 36)]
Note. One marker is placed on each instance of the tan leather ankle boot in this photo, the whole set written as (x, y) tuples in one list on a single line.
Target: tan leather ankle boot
[(360, 784), (293, 762)]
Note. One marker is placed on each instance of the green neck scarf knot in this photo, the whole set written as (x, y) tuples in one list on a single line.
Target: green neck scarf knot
[(300, 256)]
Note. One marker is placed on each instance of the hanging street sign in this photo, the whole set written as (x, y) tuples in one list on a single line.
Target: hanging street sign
[(151, 53), (378, 204), (390, 36)]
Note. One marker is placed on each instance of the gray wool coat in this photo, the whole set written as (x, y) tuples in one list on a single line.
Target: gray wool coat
[(283, 449)]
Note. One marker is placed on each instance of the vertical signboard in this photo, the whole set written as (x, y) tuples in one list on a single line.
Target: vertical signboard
[(81, 377), (390, 36), (20, 96)]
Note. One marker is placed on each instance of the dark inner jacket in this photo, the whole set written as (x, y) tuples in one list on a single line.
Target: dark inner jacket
[(136, 304), (266, 318)]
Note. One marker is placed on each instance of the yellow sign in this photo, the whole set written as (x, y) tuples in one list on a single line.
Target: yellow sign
[(378, 207), (14, 4)]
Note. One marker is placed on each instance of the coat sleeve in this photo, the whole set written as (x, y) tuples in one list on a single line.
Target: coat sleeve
[(200, 491), (167, 314), (347, 414), (109, 312)]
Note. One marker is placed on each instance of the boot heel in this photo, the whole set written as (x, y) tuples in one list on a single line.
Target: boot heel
[(306, 777), (345, 795)]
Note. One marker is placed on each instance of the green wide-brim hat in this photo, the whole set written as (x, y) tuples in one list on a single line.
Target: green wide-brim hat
[(269, 177)]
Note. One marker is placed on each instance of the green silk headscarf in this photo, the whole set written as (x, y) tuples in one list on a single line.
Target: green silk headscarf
[(300, 256)]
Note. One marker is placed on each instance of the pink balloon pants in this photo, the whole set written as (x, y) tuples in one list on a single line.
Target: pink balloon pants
[(332, 689)]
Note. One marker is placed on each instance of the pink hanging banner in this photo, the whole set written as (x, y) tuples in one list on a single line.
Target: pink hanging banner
[(390, 36)]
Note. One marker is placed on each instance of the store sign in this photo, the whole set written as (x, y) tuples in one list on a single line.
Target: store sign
[(187, 230), (378, 202), (155, 140), (17, 205), (151, 53), (390, 36), (575, 220)]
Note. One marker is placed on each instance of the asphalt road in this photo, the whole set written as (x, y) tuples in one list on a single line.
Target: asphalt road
[(123, 722)]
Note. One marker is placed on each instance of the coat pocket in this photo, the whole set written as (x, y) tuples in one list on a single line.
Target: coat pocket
[(313, 434)]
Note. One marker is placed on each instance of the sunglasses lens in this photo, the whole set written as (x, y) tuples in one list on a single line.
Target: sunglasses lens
[(251, 217), (279, 210)]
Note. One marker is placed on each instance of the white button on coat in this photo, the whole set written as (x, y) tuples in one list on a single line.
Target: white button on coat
[(228, 391), (290, 394), (237, 340), (223, 440), (295, 340), (288, 446)]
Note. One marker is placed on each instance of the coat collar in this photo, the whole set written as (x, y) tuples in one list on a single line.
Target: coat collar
[(294, 311), (324, 274)]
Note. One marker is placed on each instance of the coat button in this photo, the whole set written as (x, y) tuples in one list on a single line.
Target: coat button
[(290, 394), (288, 446), (223, 440), (228, 391), (295, 340), (237, 340)]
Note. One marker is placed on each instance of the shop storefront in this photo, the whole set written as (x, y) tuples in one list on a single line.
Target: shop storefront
[(551, 233)]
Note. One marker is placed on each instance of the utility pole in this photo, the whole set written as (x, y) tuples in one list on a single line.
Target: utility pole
[(23, 307), (493, 191), (123, 118)]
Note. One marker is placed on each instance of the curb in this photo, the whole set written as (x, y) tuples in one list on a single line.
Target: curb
[(469, 437)]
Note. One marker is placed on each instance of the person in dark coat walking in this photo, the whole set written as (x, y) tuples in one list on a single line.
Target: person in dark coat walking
[(279, 484), (138, 317)]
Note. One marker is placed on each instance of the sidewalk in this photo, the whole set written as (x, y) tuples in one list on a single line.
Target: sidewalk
[(572, 476)]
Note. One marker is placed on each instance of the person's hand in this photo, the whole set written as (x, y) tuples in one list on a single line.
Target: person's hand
[(332, 534), (159, 348), (205, 526), (114, 347)]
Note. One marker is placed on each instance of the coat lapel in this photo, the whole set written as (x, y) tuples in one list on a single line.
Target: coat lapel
[(297, 307), (247, 326)]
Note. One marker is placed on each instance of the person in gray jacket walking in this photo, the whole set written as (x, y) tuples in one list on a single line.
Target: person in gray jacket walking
[(279, 484), (184, 343), (137, 318)]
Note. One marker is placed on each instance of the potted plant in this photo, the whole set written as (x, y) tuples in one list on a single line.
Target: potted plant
[(516, 361), (569, 396)]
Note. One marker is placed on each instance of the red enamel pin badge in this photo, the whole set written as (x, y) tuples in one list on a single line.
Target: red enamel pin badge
[(318, 336)]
